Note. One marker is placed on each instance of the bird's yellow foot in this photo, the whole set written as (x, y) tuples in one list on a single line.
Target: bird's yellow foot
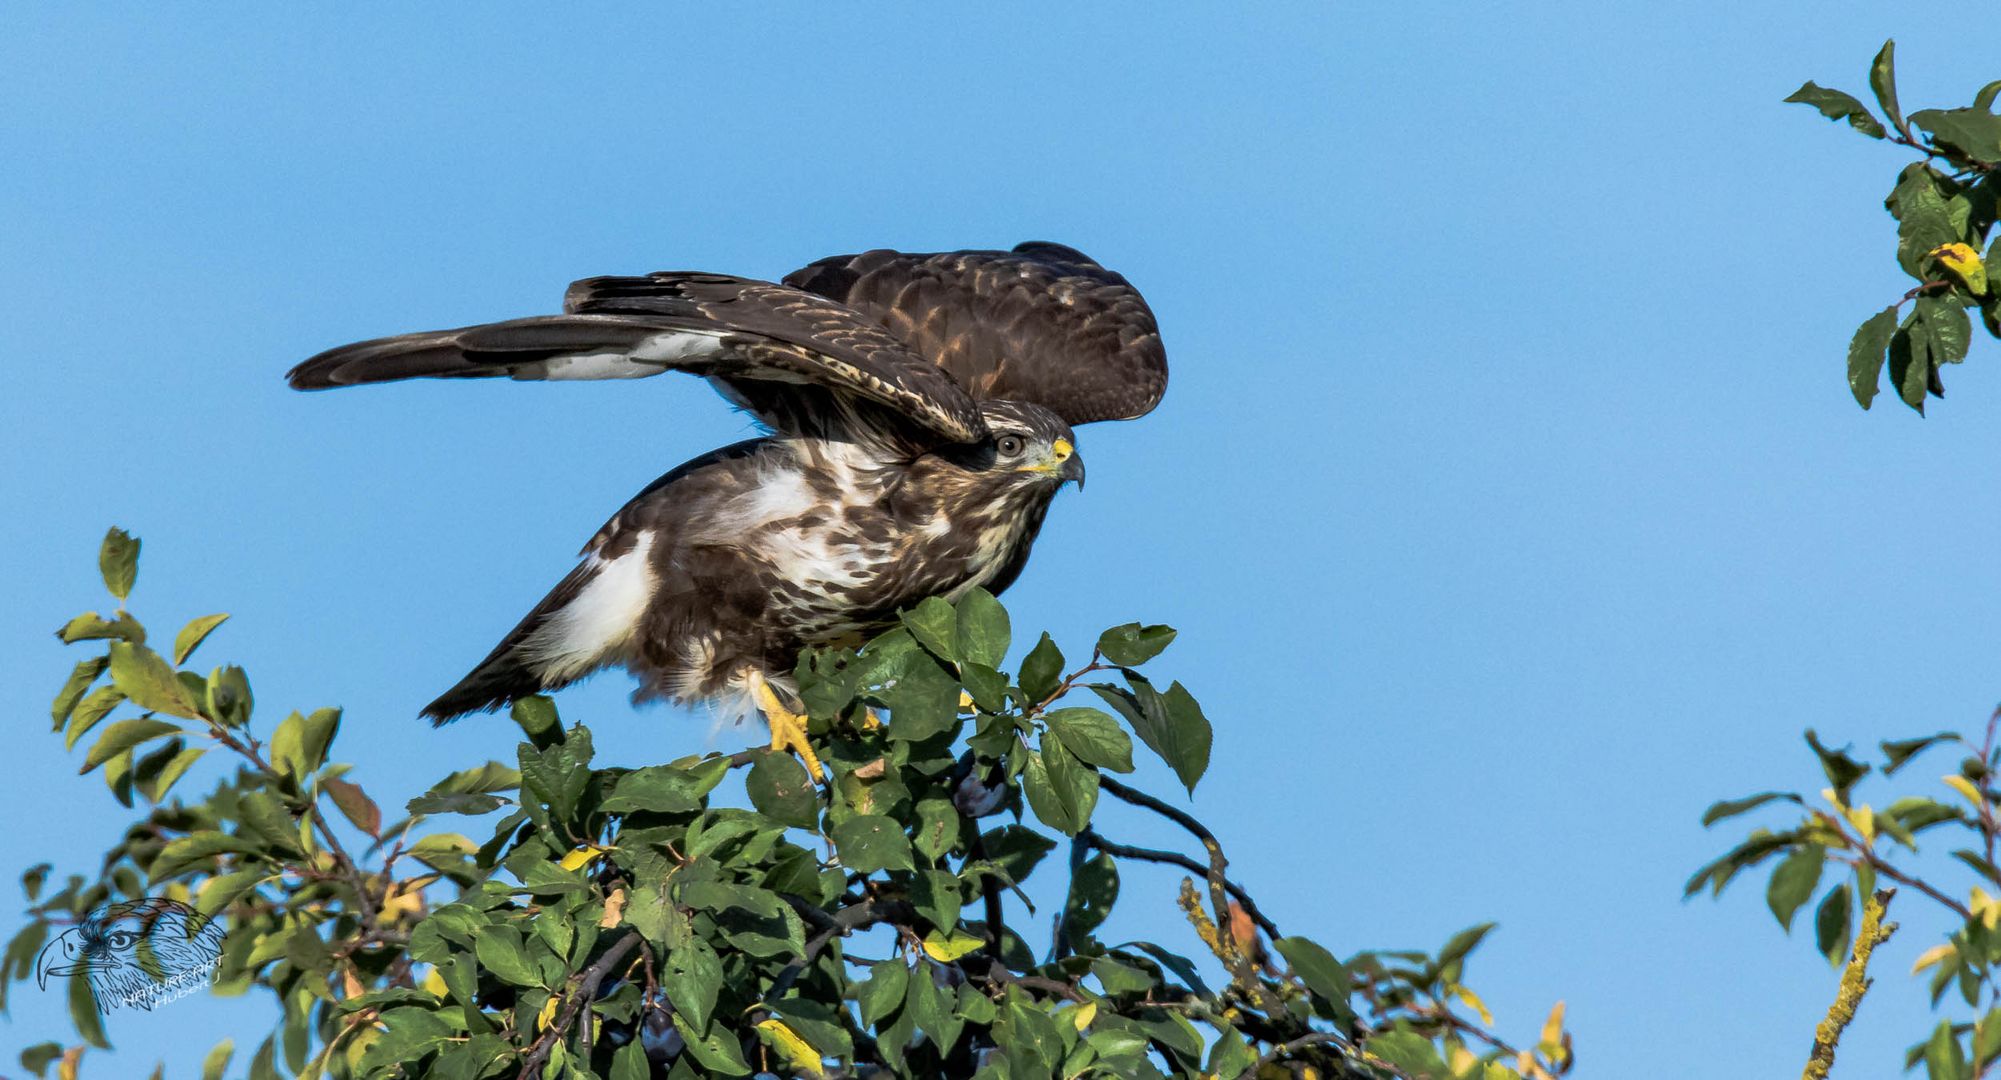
[(788, 730)]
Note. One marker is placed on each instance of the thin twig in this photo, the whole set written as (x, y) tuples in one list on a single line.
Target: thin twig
[(1228, 950), (1174, 858), (583, 987)]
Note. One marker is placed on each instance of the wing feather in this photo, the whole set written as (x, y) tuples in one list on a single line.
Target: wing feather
[(770, 345), (1043, 323)]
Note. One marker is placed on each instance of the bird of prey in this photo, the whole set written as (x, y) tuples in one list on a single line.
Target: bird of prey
[(919, 410)]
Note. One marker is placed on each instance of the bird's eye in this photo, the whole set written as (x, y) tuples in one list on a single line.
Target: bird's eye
[(119, 939), (1009, 445)]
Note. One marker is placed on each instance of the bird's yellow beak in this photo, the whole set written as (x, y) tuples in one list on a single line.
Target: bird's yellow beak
[(1062, 462)]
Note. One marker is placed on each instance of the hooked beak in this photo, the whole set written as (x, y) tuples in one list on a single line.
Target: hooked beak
[(1072, 469), (1062, 463)]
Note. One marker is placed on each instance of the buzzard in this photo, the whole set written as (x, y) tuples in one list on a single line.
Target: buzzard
[(919, 410)]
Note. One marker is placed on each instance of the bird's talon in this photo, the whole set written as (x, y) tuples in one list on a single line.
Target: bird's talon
[(788, 731)]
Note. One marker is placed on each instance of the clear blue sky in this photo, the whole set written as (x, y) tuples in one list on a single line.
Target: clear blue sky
[(1507, 491)]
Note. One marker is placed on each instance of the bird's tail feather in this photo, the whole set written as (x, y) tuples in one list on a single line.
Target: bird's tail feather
[(513, 670)]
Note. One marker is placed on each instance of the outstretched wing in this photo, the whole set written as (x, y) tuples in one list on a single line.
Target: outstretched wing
[(794, 358), (1043, 323)]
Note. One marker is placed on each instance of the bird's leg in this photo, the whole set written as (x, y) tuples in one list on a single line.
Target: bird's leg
[(788, 729)]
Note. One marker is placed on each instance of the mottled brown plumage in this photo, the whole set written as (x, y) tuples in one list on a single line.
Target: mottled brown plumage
[(920, 410)]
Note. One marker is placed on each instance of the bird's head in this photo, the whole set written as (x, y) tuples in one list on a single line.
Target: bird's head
[(1029, 448)]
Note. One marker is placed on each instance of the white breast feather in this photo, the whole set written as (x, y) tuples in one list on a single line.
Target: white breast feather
[(578, 637)]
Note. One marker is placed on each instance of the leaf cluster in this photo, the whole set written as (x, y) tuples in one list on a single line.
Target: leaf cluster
[(723, 915), (1945, 206)]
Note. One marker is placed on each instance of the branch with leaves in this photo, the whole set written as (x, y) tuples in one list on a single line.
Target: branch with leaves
[(1865, 844), (618, 924), (1945, 205)]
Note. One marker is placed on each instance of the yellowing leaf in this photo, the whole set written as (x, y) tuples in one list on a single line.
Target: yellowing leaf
[(548, 1014), (947, 949), (614, 909), (1985, 908), (1964, 786), (1552, 1028), (435, 983), (1473, 1002), (1932, 956), (796, 1051), (1085, 1013), (1963, 263), (66, 1068), (581, 857), (1864, 820), (350, 987)]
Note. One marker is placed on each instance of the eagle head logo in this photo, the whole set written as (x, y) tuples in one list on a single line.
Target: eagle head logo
[(136, 952)]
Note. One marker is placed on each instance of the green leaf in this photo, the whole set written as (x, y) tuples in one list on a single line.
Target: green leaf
[(1901, 751), (36, 1058), (780, 789), (1944, 1058), (536, 716), (662, 789), (1132, 644), (1866, 352), (937, 829), (630, 1063), (882, 993), (1041, 670), (192, 850), (118, 561), (94, 707), (1842, 771), (1094, 888), (217, 1061), (123, 736), (871, 842), (1460, 944), (1976, 133), (89, 627), (1948, 327), (935, 626), (1910, 364), (983, 631), (1093, 736), (80, 677), (193, 634), (1729, 808), (1883, 80), (692, 978), (356, 806), (83, 1014), (1061, 790), (1793, 882), (1836, 105), (924, 703), (229, 700), (501, 951), (715, 1048), (148, 681), (935, 895), (1830, 924), (1171, 724), (1317, 968)]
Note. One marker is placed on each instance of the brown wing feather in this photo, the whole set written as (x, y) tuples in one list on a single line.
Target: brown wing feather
[(770, 343), (1043, 323)]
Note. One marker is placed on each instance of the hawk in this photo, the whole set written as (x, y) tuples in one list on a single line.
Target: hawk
[(918, 410)]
